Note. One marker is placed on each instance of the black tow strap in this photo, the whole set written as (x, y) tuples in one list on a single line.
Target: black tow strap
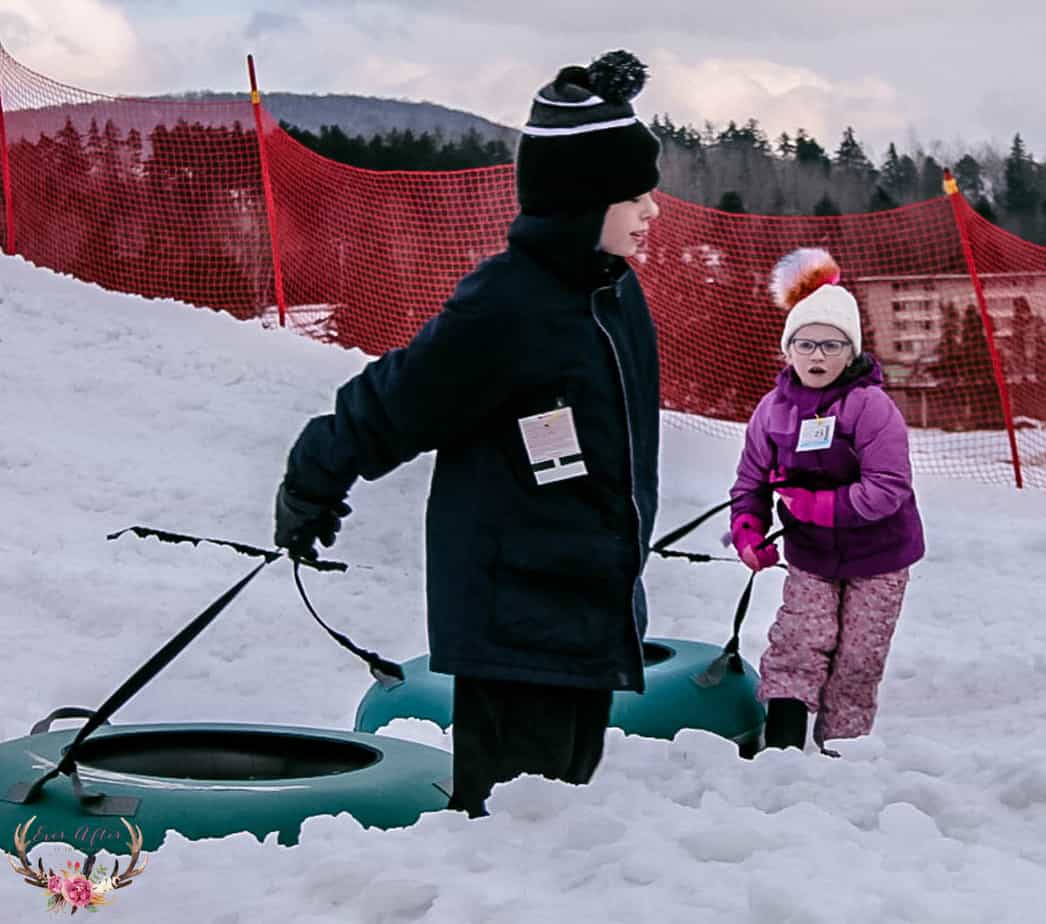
[(387, 673), (731, 655), (22, 793), (730, 658), (661, 545)]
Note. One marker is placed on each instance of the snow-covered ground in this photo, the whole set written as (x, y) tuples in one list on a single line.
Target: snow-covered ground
[(121, 411)]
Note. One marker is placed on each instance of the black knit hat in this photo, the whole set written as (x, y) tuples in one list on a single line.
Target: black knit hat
[(583, 146)]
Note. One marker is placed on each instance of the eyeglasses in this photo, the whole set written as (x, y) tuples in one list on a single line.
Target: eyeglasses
[(828, 347)]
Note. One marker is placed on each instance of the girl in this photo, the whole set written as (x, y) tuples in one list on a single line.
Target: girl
[(852, 527)]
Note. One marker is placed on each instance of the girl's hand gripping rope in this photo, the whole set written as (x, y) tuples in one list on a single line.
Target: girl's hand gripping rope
[(747, 533), (815, 507)]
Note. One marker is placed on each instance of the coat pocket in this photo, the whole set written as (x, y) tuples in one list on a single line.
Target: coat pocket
[(562, 592)]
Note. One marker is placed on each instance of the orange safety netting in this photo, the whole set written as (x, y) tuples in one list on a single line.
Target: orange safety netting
[(167, 198)]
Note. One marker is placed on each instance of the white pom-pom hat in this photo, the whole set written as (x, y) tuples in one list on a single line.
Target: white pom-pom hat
[(804, 283)]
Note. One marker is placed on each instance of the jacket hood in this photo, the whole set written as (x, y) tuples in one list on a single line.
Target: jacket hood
[(567, 245), (863, 372)]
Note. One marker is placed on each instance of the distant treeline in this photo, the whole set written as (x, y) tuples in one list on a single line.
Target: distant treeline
[(738, 169), (403, 150), (178, 212)]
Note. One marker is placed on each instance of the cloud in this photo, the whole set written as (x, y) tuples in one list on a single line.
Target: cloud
[(263, 22), (890, 69), (782, 97), (768, 20), (88, 42)]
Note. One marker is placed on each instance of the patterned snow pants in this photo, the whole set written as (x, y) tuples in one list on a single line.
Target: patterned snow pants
[(828, 647)]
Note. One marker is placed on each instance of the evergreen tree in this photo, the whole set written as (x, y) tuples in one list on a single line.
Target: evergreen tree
[(826, 206), (1022, 342), (405, 150), (985, 209), (976, 363), (1022, 196), (850, 155), (949, 346), (93, 148), (967, 173), (685, 136), (72, 159), (809, 153), (785, 146), (731, 201), (899, 177), (881, 200), (134, 148), (931, 179), (889, 174)]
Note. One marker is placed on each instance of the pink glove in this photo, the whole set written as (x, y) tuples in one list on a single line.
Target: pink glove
[(816, 507), (747, 532)]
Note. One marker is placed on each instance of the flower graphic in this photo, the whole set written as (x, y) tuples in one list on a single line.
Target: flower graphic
[(77, 891), (77, 886)]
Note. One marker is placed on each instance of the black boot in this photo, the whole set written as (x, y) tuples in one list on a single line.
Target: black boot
[(785, 723)]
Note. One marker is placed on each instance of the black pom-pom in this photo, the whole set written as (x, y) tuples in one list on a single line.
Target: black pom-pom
[(617, 76)]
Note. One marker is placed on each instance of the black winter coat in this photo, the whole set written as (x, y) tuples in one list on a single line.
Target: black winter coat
[(529, 582)]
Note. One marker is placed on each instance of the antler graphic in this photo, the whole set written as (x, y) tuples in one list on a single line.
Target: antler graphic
[(120, 880), (98, 887), (35, 877)]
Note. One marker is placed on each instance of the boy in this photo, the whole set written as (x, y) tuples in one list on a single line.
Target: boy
[(537, 385)]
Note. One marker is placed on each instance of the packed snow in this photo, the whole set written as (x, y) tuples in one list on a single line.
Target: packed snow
[(120, 411)]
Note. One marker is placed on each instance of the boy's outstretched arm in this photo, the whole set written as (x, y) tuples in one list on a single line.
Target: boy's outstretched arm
[(458, 367)]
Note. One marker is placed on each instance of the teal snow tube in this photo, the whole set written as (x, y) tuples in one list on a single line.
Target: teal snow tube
[(210, 780), (674, 698)]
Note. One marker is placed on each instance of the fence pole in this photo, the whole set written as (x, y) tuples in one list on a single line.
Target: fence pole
[(5, 164), (270, 203), (951, 187)]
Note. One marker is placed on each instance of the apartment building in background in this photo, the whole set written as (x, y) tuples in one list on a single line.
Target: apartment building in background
[(907, 316)]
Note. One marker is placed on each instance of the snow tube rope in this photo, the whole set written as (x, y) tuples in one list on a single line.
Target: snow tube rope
[(385, 672), (99, 803), (731, 656)]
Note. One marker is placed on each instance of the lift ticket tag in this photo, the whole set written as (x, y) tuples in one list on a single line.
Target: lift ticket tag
[(552, 446), (816, 433)]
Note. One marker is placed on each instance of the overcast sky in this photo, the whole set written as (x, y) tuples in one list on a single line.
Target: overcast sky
[(912, 71)]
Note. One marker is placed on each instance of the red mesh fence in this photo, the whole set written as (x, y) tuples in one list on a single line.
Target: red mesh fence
[(706, 276), (148, 196), (166, 198), (367, 256)]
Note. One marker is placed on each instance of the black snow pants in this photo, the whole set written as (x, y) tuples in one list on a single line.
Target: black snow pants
[(505, 728)]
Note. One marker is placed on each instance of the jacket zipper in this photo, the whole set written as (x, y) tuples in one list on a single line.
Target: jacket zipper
[(631, 469)]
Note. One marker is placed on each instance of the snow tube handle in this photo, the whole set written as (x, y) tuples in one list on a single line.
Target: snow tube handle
[(62, 712)]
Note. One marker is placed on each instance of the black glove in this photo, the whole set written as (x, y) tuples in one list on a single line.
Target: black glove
[(300, 522)]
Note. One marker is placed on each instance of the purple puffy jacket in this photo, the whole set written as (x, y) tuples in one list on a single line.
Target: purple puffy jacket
[(877, 524)]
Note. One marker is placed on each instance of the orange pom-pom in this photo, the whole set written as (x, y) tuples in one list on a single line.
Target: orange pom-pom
[(801, 273)]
